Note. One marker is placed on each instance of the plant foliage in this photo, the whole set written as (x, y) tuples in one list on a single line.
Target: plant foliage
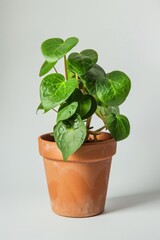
[(86, 89)]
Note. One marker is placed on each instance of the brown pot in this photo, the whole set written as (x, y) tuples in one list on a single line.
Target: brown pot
[(78, 186)]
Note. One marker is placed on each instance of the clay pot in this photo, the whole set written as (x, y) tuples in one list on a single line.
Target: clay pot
[(78, 186)]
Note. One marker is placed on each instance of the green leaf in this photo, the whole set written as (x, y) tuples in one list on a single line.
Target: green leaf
[(40, 107), (54, 90), (83, 61), (67, 111), (54, 49), (118, 126), (76, 96), (70, 69), (113, 89), (46, 67), (92, 108), (86, 106), (70, 74), (63, 105), (90, 78), (70, 135), (113, 109), (103, 112)]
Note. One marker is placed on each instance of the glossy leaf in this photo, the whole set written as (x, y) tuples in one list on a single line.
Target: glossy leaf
[(63, 105), (76, 96), (103, 112), (70, 135), (70, 74), (83, 61), (54, 90), (46, 67), (113, 109), (70, 68), (92, 108), (84, 105), (54, 49), (90, 78), (67, 111), (113, 89), (118, 126)]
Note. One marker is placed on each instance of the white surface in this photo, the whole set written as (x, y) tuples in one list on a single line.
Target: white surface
[(129, 217), (126, 34)]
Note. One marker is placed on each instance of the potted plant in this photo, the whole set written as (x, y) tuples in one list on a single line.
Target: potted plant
[(77, 157)]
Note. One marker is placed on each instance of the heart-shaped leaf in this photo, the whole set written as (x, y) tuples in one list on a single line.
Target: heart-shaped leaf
[(83, 61), (118, 126), (67, 111), (46, 67), (113, 89), (90, 78), (54, 90), (54, 49), (70, 135)]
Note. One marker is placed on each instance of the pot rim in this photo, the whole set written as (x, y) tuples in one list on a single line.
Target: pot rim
[(108, 138), (88, 152)]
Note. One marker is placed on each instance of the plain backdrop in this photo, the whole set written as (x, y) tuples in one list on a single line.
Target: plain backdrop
[(126, 35)]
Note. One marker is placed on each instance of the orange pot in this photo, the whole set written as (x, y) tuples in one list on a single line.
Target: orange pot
[(78, 186)]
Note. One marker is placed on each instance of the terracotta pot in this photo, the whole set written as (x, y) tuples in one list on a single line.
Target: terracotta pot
[(78, 186)]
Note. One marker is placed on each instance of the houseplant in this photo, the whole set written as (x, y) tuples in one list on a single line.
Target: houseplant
[(77, 158)]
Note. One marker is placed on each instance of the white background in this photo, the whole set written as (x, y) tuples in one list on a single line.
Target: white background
[(126, 34)]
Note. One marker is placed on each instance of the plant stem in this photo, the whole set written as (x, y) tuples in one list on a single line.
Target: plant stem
[(65, 67), (88, 122), (55, 110), (93, 133), (87, 126), (55, 70)]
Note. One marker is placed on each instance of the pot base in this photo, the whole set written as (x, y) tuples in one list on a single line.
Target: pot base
[(83, 216)]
